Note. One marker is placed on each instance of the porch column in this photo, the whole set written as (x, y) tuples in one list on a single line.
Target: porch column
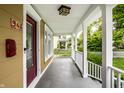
[(107, 53), (73, 47), (66, 45), (75, 42), (85, 63)]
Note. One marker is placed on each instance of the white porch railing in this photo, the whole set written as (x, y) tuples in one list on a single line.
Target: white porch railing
[(116, 82), (95, 71), (79, 59)]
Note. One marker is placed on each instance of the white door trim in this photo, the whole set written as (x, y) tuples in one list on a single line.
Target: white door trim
[(27, 9)]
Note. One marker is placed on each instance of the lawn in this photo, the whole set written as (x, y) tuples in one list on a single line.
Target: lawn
[(64, 53), (119, 63)]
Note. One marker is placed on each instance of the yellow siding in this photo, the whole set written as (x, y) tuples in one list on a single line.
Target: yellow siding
[(11, 69)]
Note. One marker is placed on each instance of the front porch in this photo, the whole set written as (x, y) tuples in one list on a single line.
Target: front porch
[(63, 73)]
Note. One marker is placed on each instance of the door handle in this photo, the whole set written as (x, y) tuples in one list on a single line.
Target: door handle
[(25, 49)]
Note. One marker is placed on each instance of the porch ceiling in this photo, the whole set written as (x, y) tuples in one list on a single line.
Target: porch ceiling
[(61, 24)]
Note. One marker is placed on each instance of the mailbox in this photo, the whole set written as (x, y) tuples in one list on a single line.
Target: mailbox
[(10, 48)]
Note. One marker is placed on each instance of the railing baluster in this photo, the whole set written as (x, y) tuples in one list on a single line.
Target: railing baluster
[(95, 71), (89, 68), (92, 69), (122, 84), (112, 78), (98, 72), (118, 80)]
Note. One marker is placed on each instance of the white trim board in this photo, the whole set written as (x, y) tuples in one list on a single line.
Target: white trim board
[(27, 9), (36, 80)]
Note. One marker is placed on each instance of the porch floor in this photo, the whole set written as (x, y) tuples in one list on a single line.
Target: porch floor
[(62, 73)]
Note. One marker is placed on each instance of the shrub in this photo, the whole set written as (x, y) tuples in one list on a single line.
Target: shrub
[(80, 49), (95, 58), (60, 52)]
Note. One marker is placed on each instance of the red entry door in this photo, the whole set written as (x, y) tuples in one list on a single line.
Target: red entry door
[(31, 60)]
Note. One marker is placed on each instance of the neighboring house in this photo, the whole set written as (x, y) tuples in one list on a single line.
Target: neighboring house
[(62, 42)]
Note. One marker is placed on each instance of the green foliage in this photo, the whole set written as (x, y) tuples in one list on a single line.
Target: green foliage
[(58, 45), (65, 53), (118, 20), (95, 58), (118, 38), (118, 16), (80, 43), (94, 40), (119, 63)]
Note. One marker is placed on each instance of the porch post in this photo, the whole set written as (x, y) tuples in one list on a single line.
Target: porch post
[(107, 53), (85, 63), (73, 47), (75, 43)]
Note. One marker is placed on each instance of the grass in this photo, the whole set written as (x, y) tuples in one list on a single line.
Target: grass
[(95, 58), (118, 49), (64, 53), (119, 63)]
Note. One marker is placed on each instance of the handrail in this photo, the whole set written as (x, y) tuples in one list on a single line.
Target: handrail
[(116, 69), (94, 63), (79, 52)]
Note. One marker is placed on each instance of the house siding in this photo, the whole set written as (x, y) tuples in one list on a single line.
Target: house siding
[(11, 69)]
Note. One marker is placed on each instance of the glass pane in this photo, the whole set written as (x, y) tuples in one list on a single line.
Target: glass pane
[(29, 39), (45, 43), (49, 45)]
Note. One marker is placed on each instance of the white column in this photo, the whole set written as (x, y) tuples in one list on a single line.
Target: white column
[(73, 47), (75, 42), (85, 63), (66, 45), (52, 42), (106, 45)]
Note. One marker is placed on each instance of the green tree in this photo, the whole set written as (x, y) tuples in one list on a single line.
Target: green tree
[(80, 43), (95, 37), (118, 20), (118, 16)]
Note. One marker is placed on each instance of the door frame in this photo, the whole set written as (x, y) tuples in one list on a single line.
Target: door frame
[(28, 10)]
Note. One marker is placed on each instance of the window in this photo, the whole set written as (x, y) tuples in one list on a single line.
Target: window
[(45, 44)]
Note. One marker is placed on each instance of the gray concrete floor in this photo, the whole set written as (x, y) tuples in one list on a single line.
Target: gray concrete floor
[(63, 73)]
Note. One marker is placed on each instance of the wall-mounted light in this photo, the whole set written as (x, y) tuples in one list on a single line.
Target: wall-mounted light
[(64, 10)]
